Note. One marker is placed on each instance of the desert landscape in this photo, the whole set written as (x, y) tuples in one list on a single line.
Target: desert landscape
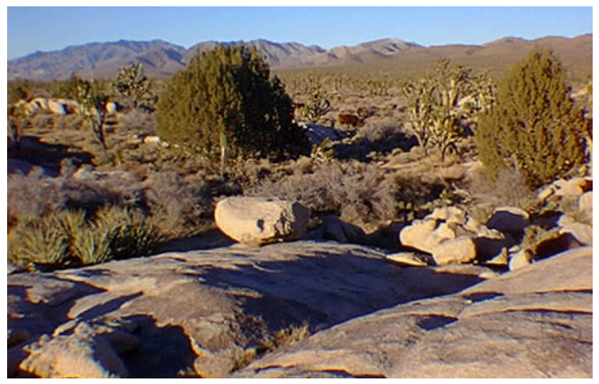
[(277, 210)]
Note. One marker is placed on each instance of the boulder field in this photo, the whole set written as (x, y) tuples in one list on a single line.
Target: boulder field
[(221, 313)]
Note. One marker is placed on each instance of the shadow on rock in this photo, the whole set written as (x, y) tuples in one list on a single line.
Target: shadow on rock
[(164, 351), (326, 289)]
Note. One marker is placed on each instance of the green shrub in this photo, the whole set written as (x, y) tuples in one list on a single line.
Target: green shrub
[(533, 126), (18, 90), (70, 239), (225, 105)]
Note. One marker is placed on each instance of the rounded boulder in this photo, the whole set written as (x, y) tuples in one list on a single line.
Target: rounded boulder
[(259, 220)]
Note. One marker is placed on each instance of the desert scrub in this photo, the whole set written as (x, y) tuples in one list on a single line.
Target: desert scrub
[(358, 193), (176, 204), (72, 238), (417, 197), (535, 235), (534, 126)]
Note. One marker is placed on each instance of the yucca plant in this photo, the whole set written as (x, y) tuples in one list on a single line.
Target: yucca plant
[(71, 239), (39, 241), (129, 233)]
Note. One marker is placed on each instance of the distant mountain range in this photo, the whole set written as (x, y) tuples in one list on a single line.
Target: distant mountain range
[(161, 58)]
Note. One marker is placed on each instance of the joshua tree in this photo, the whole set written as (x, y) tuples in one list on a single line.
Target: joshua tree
[(133, 85), (317, 106), (93, 103), (443, 103)]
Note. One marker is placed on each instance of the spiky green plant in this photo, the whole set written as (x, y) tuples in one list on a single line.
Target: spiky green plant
[(130, 233), (534, 126), (39, 241), (71, 239), (133, 85), (441, 105)]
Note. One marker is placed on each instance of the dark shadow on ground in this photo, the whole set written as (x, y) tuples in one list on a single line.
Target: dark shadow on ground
[(45, 155), (209, 239)]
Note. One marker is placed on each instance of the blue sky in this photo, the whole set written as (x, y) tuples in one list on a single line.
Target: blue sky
[(30, 29)]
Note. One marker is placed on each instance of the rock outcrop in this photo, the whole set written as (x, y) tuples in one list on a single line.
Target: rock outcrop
[(534, 322), (453, 237), (259, 220), (202, 313)]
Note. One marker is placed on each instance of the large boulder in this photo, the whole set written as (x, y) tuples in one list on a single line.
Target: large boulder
[(259, 220), (202, 313), (535, 322), (57, 107)]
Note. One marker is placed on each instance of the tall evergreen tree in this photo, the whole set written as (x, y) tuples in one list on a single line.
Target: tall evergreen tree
[(225, 103), (534, 126)]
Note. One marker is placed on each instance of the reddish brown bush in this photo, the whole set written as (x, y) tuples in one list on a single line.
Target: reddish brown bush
[(350, 120)]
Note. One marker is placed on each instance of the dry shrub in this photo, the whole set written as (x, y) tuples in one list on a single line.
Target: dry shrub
[(37, 195), (385, 135), (137, 122), (358, 193), (177, 205), (509, 189), (33, 194)]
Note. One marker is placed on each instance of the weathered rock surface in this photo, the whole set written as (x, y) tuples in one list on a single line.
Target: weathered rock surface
[(572, 187), (203, 313), (258, 220), (533, 322), (583, 233)]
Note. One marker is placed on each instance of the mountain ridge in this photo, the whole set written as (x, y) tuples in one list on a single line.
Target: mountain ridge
[(162, 58)]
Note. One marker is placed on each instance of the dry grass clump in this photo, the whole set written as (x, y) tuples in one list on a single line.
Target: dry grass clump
[(72, 238)]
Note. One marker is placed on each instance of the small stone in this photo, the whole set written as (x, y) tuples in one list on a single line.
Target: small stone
[(409, 258), (520, 259)]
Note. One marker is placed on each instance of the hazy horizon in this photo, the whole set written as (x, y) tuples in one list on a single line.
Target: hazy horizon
[(32, 29)]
